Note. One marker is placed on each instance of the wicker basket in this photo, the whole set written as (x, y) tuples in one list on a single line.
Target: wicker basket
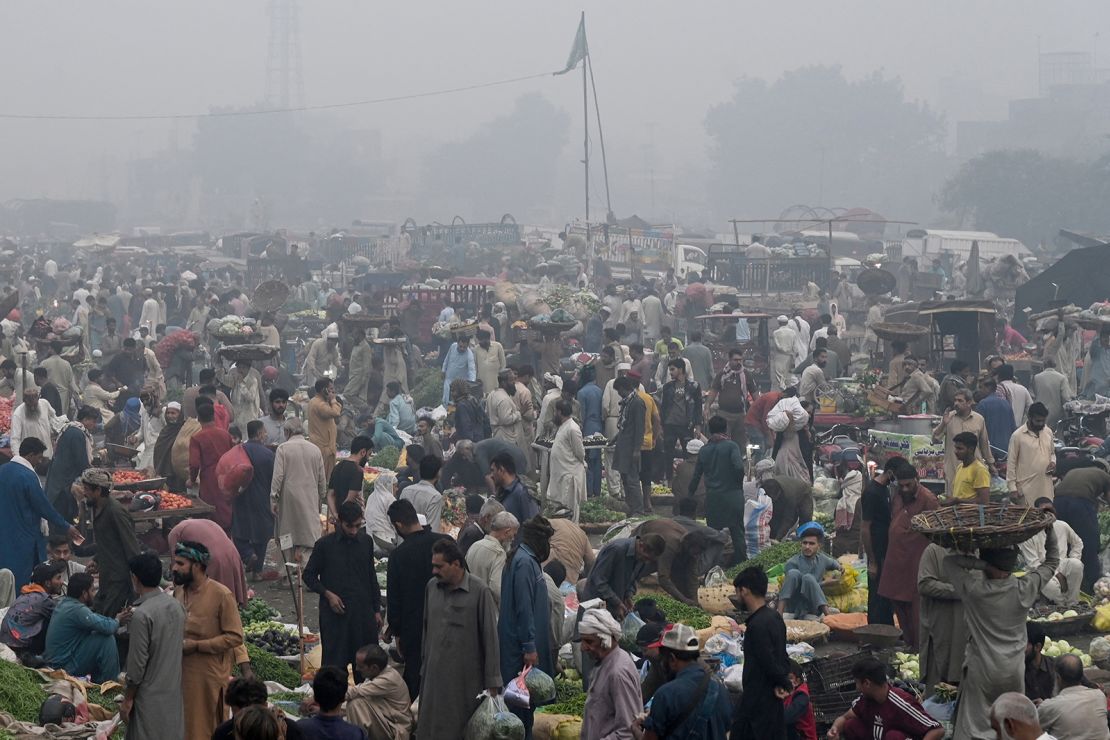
[(1061, 627), (233, 338), (551, 327), (270, 295), (253, 352), (903, 332), (967, 526), (802, 630)]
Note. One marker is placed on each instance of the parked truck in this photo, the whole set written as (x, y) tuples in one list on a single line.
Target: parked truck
[(651, 251)]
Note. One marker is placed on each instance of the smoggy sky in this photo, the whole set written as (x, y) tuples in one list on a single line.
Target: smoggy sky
[(659, 66)]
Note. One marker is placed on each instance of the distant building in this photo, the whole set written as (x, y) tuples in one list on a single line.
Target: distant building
[(1070, 117)]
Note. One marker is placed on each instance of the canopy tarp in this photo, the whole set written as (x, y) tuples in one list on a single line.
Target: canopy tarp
[(1081, 277)]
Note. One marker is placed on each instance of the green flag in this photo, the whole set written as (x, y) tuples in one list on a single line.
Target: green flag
[(579, 51)]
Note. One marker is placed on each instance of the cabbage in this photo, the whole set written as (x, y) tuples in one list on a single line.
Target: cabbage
[(492, 720), (541, 687)]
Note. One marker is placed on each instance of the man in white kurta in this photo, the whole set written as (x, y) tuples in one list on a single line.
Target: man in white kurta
[(783, 340), (150, 314), (1031, 457), (34, 418), (1064, 587), (489, 357), (246, 393), (567, 482)]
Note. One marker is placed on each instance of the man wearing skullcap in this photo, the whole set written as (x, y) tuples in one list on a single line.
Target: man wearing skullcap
[(614, 701), (996, 604), (116, 543), (213, 632), (782, 353)]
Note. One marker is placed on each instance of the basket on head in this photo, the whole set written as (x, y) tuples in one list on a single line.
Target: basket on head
[(968, 526), (270, 295), (253, 352)]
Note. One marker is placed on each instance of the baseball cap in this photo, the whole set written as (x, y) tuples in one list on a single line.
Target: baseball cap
[(650, 634), (680, 637)]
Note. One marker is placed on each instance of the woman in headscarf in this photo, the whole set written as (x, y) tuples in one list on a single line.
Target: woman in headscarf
[(163, 447), (378, 525)]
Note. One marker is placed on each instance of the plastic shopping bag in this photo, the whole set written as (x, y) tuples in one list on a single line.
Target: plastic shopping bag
[(516, 692), (630, 627), (492, 720)]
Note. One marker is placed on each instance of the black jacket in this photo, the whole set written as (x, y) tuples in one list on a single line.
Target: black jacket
[(693, 391)]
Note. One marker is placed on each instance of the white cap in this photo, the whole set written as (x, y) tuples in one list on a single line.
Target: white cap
[(694, 446), (782, 319), (173, 405), (97, 353), (554, 379), (624, 366)]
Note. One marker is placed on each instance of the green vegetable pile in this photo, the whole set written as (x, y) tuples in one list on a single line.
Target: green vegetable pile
[(1103, 530), (273, 637), (569, 698), (769, 558), (267, 668), (257, 610), (110, 703), (21, 692), (427, 387), (595, 511), (676, 611), (385, 459)]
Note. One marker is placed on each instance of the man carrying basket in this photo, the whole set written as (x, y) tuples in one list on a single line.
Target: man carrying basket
[(995, 608)]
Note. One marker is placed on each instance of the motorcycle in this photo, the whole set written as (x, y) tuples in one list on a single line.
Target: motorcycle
[(831, 445)]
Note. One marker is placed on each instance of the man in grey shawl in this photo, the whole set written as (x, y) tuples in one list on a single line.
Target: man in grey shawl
[(995, 608), (461, 657)]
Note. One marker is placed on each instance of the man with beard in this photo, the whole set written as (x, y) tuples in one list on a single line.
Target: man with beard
[(34, 418), (80, 641), (247, 398), (410, 567), (759, 715), (629, 440), (461, 659), (505, 418), (523, 628), (274, 421), (323, 410), (73, 456), (252, 519), (213, 631), (359, 368), (489, 360), (341, 571), (116, 544), (296, 490), (813, 382), (163, 447)]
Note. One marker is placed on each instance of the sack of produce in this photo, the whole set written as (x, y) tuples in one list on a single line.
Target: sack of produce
[(492, 720)]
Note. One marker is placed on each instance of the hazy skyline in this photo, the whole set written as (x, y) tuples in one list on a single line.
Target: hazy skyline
[(659, 65)]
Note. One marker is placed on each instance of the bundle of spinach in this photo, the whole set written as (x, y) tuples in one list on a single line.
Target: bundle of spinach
[(768, 558)]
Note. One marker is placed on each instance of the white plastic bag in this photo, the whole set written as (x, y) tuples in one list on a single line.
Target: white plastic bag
[(492, 720), (630, 627)]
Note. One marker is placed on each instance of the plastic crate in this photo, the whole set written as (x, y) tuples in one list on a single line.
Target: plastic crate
[(829, 675), (830, 705)]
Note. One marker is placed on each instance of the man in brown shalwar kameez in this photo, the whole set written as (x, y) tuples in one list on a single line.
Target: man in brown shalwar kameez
[(213, 632)]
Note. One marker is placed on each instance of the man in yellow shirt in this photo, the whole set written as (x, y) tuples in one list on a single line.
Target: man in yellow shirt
[(972, 482), (653, 431)]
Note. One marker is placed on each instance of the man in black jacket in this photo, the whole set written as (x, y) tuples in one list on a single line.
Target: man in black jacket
[(680, 407), (341, 571), (759, 715), (629, 440), (410, 569)]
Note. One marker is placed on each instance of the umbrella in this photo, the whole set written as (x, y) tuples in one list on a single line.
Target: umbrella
[(975, 284)]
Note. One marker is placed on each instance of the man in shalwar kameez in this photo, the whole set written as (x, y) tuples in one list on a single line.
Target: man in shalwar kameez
[(504, 414), (995, 608), (358, 375), (394, 367), (567, 461), (213, 632), (943, 632), (461, 655)]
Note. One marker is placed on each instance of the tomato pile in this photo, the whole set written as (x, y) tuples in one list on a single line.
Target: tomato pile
[(127, 476), (5, 415), (174, 501)]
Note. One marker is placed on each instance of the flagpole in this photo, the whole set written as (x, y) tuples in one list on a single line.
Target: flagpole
[(601, 140), (586, 131)]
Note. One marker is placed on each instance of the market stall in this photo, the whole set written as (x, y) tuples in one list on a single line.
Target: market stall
[(960, 330)]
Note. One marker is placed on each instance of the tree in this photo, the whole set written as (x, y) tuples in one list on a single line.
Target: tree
[(509, 165), (814, 134), (1028, 195)]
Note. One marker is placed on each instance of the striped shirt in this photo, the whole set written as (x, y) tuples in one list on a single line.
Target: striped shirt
[(899, 712)]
